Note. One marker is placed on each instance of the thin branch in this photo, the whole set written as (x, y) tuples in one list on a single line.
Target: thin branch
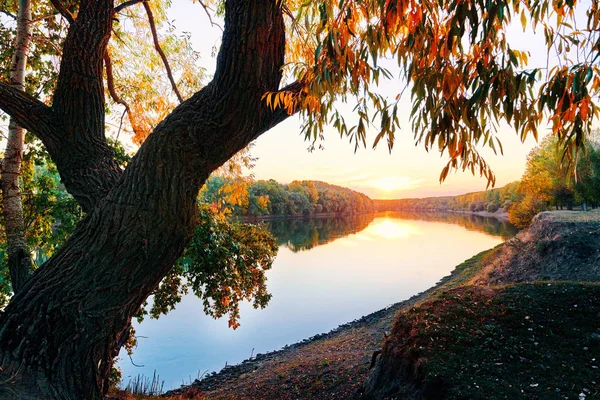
[(126, 4), (11, 15), (159, 50), (111, 83), (43, 17), (134, 364), (43, 39), (63, 11), (207, 11), (113, 93)]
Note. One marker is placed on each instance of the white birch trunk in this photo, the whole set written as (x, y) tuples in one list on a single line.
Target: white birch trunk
[(18, 252)]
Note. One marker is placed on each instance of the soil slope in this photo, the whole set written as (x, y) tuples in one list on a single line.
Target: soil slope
[(494, 334)]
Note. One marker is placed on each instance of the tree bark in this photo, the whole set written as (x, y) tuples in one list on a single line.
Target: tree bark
[(19, 260), (72, 130), (63, 328), (84, 159)]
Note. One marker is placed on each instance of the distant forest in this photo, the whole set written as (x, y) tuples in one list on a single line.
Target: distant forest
[(270, 198), (546, 184), (489, 200)]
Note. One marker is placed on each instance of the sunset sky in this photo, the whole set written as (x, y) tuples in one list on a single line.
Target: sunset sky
[(408, 171)]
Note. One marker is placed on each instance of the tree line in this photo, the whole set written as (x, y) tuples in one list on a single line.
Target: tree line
[(547, 184), (489, 200), (262, 198)]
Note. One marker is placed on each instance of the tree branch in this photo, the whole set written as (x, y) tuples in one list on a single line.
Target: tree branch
[(159, 50), (63, 11), (126, 4), (9, 14), (82, 155), (27, 111), (110, 82), (88, 169), (280, 114), (207, 11), (43, 17)]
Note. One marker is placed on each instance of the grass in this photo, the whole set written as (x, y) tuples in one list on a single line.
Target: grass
[(146, 388), (537, 340), (465, 272)]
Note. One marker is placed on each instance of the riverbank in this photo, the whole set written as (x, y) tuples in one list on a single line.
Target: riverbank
[(336, 365), (333, 365), (500, 214), (522, 324)]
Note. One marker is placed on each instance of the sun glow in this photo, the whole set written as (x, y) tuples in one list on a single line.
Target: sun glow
[(391, 183), (392, 229)]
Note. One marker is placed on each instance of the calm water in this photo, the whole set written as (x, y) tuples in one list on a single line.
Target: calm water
[(327, 272)]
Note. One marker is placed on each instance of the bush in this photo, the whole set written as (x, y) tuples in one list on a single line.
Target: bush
[(492, 207), (476, 206), (521, 214)]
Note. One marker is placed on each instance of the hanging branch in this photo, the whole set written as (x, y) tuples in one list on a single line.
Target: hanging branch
[(9, 14), (126, 4), (110, 81), (63, 11), (160, 51), (207, 11)]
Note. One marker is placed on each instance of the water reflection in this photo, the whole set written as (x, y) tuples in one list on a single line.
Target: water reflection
[(389, 228), (300, 234), (471, 222), (328, 272)]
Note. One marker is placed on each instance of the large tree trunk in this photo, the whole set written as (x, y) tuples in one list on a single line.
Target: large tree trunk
[(62, 329), (19, 260)]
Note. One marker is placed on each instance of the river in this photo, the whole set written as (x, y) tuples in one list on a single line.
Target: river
[(328, 271)]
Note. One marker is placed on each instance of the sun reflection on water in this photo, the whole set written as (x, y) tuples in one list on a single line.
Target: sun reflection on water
[(388, 228)]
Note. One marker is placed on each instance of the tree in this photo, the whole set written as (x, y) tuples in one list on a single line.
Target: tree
[(19, 262), (546, 182), (61, 331)]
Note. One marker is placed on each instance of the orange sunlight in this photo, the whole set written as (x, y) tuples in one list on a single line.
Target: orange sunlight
[(393, 183), (388, 228)]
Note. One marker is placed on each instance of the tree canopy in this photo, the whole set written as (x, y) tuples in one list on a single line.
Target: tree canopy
[(465, 77)]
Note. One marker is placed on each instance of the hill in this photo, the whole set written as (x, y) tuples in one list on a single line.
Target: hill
[(272, 199)]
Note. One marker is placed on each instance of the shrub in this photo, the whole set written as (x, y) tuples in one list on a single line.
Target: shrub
[(521, 214), (492, 207)]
